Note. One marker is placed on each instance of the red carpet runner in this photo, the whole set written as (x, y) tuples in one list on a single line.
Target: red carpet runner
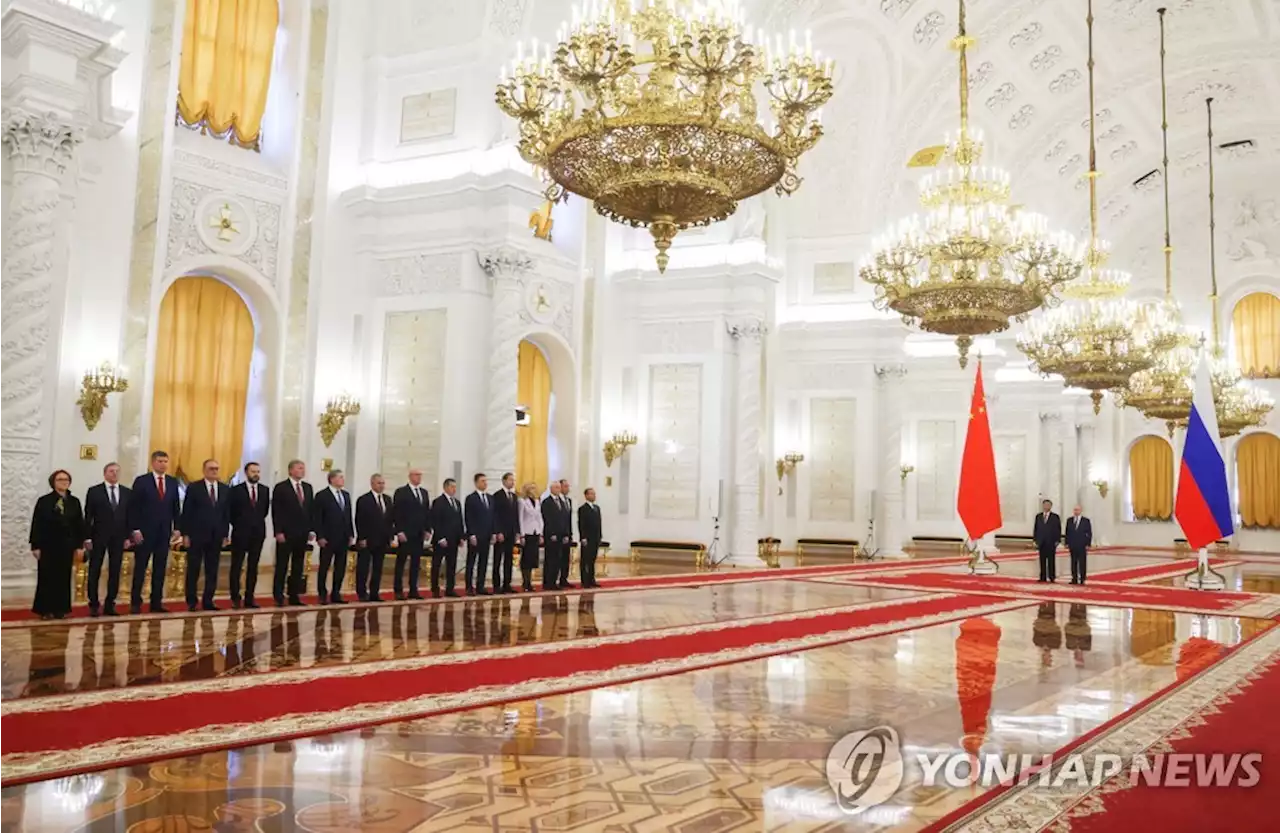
[(46, 737)]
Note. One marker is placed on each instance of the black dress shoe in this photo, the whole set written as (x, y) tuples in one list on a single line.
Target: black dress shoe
[(419, 597), (159, 609), (192, 608), (435, 594), (453, 594), (362, 598), (281, 603), (211, 607), (94, 612), (235, 604), (471, 591), (564, 585), (485, 592), (400, 597), (528, 588), (296, 602), (134, 610), (376, 598), (110, 611), (338, 600), (251, 604)]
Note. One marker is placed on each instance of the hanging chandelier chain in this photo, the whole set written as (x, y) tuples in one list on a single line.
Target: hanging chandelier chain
[(1213, 253), (1164, 164), (1093, 155)]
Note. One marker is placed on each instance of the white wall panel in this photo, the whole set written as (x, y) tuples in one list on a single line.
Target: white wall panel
[(412, 393), (937, 469), (1011, 475), (674, 441), (831, 462)]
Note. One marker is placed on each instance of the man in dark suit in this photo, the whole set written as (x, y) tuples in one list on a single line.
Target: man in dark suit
[(447, 529), (566, 551), (482, 533), (206, 528), (412, 511), (375, 534), (1079, 539), (589, 534), (154, 508), (506, 511), (555, 535), (250, 503), (106, 516), (292, 519), (1047, 534), (335, 534)]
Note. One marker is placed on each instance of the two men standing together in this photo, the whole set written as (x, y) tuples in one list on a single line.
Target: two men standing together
[(1048, 534)]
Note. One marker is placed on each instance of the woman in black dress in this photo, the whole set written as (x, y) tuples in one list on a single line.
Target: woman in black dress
[(57, 533)]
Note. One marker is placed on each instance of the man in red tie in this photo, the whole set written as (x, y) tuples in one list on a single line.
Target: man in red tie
[(152, 514), (206, 526), (291, 517)]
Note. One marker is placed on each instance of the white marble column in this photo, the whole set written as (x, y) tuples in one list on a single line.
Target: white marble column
[(748, 336), (505, 270), (40, 148), (1090, 501), (889, 517)]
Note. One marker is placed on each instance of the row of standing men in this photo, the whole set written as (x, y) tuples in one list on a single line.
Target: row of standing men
[(150, 517)]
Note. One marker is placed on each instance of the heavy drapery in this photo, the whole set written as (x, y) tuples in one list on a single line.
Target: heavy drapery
[(204, 346), (1255, 324), (1258, 476), (227, 51), (534, 392), (1151, 479)]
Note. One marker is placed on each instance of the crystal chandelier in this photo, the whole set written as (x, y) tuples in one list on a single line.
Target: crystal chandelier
[(648, 108), (1238, 404), (1098, 342), (971, 263), (1164, 391)]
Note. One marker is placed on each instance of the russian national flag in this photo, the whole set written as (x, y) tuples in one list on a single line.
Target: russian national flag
[(1203, 504)]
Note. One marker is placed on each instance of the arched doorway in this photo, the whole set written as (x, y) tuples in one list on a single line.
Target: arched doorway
[(533, 457), (204, 350)]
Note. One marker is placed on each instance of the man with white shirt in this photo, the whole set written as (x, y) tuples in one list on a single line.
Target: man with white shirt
[(206, 527), (335, 534), (412, 509), (291, 518), (506, 505), (155, 507), (106, 517)]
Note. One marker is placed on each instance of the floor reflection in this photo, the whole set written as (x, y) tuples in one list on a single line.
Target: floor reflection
[(100, 654), (740, 746)]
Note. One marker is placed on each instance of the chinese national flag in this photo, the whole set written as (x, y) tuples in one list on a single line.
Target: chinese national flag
[(979, 502)]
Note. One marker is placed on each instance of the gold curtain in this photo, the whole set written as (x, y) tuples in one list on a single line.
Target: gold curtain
[(227, 50), (1256, 324), (534, 392), (1258, 476), (1151, 479), (203, 349)]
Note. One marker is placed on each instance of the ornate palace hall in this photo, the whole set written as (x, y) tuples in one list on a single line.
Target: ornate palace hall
[(665, 701), (624, 416)]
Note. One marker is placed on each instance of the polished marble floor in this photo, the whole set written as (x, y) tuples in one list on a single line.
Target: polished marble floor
[(102, 653), (739, 747)]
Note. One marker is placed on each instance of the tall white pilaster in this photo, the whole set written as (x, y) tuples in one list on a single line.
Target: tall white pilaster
[(505, 270), (889, 520), (748, 336), (40, 148)]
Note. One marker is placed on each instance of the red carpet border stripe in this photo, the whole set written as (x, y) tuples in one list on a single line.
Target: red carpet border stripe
[(1161, 723), (1177, 599), (51, 742), (21, 615), (1151, 572)]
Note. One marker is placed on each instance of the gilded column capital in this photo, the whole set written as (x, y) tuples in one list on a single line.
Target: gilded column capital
[(42, 143), (746, 329), (891, 372)]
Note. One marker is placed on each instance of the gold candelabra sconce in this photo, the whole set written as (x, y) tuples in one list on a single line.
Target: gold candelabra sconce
[(787, 464), (97, 383), (617, 445), (904, 470), (335, 416), (1102, 487)]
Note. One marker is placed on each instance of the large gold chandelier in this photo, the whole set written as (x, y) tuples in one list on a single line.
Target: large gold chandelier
[(972, 263), (648, 108), (1100, 341), (1164, 391), (1238, 404)]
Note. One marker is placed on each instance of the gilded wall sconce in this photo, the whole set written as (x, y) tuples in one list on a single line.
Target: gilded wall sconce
[(97, 383), (617, 445), (903, 471), (1102, 487), (787, 463), (335, 416)]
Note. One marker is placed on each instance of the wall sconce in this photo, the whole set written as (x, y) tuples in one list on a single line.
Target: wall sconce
[(787, 463), (97, 383), (904, 470), (615, 447), (335, 416), (1102, 487)]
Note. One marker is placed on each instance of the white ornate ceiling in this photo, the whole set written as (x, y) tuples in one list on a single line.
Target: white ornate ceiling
[(897, 92)]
